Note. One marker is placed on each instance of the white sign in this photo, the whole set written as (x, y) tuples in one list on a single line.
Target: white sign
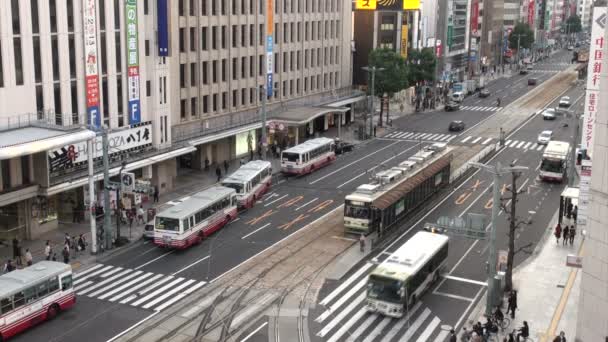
[(132, 139), (594, 68), (584, 195), (574, 261), (127, 180)]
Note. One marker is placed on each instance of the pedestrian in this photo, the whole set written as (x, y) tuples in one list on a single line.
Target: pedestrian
[(130, 217), (82, 243), (16, 251), (226, 166), (569, 210), (512, 305), (565, 235), (140, 214), (362, 242), (66, 255), (475, 337), (251, 155), (465, 336), (156, 194), (572, 234), (242, 161), (206, 164), (28, 257), (54, 258), (558, 233), (575, 213), (260, 146), (8, 267), (218, 173), (453, 336), (560, 338), (47, 250)]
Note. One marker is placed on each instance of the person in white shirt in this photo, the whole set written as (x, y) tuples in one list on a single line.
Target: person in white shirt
[(47, 250), (28, 257)]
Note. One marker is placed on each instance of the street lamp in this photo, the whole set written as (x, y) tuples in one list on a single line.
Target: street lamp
[(497, 171), (373, 70)]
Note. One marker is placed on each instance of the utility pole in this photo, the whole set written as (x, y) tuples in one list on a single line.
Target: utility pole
[(107, 220), (497, 171), (92, 211), (264, 142), (373, 70)]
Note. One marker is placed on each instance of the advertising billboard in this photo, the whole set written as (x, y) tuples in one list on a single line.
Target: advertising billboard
[(531, 13), (90, 62), (474, 16), (404, 32), (162, 28), (132, 62), (269, 46)]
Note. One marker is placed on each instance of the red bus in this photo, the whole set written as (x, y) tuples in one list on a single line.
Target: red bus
[(190, 221), (250, 182), (308, 156), (34, 294)]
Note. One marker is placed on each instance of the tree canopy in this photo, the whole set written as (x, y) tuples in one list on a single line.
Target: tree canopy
[(394, 77), (421, 65), (573, 24), (524, 33)]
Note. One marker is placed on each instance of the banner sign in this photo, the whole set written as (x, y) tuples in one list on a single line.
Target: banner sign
[(269, 47), (132, 62), (594, 68), (411, 5), (474, 16), (404, 32), (163, 28), (90, 55), (387, 5), (584, 195), (531, 13), (366, 4), (131, 140)]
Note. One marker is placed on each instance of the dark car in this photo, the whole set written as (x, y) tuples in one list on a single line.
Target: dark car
[(343, 146), (456, 126), (532, 81), (451, 106), (484, 93), (523, 71)]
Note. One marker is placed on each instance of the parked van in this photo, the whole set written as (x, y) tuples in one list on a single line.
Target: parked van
[(458, 96)]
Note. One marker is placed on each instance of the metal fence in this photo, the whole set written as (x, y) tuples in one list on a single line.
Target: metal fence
[(43, 119)]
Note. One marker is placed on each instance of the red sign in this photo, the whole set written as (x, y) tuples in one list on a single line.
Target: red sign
[(438, 48), (475, 16), (531, 13), (92, 89)]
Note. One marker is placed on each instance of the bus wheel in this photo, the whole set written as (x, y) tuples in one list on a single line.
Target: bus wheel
[(52, 311)]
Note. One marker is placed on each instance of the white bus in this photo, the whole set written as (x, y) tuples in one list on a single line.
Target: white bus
[(190, 221), (394, 286), (554, 163), (250, 181), (34, 294), (308, 156)]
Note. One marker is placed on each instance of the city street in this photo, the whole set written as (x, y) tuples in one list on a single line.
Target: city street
[(142, 280)]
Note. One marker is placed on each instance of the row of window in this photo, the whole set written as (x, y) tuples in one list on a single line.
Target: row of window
[(208, 212), (243, 7), (431, 265), (246, 96), (33, 293)]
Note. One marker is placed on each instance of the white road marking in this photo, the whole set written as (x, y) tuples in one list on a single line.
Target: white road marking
[(377, 330), (429, 330), (399, 325), (329, 326), (520, 144), (255, 231), (527, 145), (252, 309), (168, 293), (100, 284), (345, 284), (449, 295), (442, 336), (120, 288), (254, 332), (153, 260), (344, 328), (181, 295), (508, 142), (466, 139), (80, 280), (276, 200), (476, 140), (466, 311), (341, 301), (417, 323), (88, 270), (451, 137), (485, 142), (540, 147), (192, 264), (154, 293), (138, 286), (307, 203), (357, 333)]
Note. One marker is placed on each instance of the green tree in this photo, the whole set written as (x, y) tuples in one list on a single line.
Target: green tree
[(394, 77), (573, 24), (421, 65), (524, 34)]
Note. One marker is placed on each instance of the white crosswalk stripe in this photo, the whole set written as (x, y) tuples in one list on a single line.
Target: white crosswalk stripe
[(485, 142), (527, 145), (520, 144), (133, 287), (476, 140), (480, 108), (466, 139)]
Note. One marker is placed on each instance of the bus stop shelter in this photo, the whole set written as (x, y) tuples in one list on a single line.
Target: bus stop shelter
[(568, 196)]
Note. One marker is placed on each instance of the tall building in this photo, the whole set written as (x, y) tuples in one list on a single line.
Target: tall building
[(175, 82), (583, 10)]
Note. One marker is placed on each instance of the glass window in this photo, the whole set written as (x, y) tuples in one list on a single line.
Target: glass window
[(31, 294), (164, 223), (18, 299), (43, 289), (18, 61), (6, 305), (34, 16), (66, 282), (185, 224), (53, 284)]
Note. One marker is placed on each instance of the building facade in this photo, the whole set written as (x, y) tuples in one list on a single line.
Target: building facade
[(174, 82)]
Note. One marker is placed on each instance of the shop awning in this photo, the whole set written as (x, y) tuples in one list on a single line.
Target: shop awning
[(399, 191), (29, 140), (114, 171), (347, 101), (224, 134), (571, 193), (302, 115)]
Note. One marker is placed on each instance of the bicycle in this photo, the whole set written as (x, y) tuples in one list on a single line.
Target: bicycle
[(522, 339)]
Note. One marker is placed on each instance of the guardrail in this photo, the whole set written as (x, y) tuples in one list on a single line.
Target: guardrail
[(52, 120), (476, 158)]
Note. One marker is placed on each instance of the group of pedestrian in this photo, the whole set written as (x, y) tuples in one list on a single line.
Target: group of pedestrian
[(567, 234)]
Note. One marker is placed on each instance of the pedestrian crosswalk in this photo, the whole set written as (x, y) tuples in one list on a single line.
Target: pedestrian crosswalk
[(133, 287), (481, 108), (345, 317), (461, 139)]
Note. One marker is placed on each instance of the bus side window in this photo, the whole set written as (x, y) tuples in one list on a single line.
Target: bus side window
[(30, 294), (185, 224), (191, 221), (43, 289), (66, 282), (18, 299), (53, 284), (6, 305)]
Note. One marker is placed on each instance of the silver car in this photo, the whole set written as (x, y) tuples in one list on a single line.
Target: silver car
[(544, 137), (549, 114)]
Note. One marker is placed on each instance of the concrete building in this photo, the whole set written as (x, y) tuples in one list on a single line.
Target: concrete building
[(175, 82), (583, 10)]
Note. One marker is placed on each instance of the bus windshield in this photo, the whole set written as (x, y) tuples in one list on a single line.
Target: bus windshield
[(290, 156), (384, 289), (549, 165), (236, 186), (355, 211), (164, 223)]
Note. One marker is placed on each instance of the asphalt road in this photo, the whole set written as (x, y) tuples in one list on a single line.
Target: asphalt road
[(130, 286)]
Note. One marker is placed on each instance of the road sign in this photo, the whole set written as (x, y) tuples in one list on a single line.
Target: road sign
[(127, 180), (450, 35)]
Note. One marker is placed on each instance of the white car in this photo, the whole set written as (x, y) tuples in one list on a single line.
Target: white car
[(458, 96), (549, 114), (544, 137), (564, 101)]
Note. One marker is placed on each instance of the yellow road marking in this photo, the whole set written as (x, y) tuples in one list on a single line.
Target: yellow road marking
[(320, 206), (462, 198), (255, 220), (294, 221), (291, 202), (559, 310)]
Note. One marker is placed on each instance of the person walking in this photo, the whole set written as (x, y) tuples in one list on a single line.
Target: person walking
[(156, 194), (226, 166), (47, 250), (17, 251), (82, 244), (565, 235), (362, 243), (560, 338), (8, 267), (130, 217), (466, 335), (575, 213), (66, 255), (28, 257), (206, 164), (512, 304), (140, 215), (453, 337), (218, 173), (557, 233), (569, 210), (572, 234)]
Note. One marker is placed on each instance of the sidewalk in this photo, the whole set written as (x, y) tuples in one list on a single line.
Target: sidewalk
[(547, 289)]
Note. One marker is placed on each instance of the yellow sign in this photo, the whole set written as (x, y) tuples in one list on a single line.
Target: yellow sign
[(404, 31), (411, 5), (270, 16), (366, 4)]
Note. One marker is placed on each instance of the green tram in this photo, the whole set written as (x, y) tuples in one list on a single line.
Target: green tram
[(396, 192)]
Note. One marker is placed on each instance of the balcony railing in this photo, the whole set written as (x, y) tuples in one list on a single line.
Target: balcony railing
[(43, 119)]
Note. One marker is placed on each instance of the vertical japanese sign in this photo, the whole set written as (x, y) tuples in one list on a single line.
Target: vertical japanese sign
[(584, 195), (269, 46), (531, 13), (90, 55), (132, 61), (474, 16), (366, 4), (596, 51), (404, 32), (162, 28)]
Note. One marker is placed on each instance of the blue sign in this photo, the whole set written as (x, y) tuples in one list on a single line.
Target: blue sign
[(94, 117), (269, 44), (163, 30), (134, 111), (269, 84), (457, 87), (473, 58)]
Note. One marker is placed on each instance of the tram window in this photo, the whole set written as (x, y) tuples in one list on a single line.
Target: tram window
[(43, 288), (185, 224), (191, 221)]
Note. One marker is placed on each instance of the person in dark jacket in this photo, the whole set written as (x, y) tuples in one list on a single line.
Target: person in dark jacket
[(218, 173), (156, 194), (560, 338), (453, 336), (226, 166), (16, 251), (524, 331), (565, 235), (512, 303)]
